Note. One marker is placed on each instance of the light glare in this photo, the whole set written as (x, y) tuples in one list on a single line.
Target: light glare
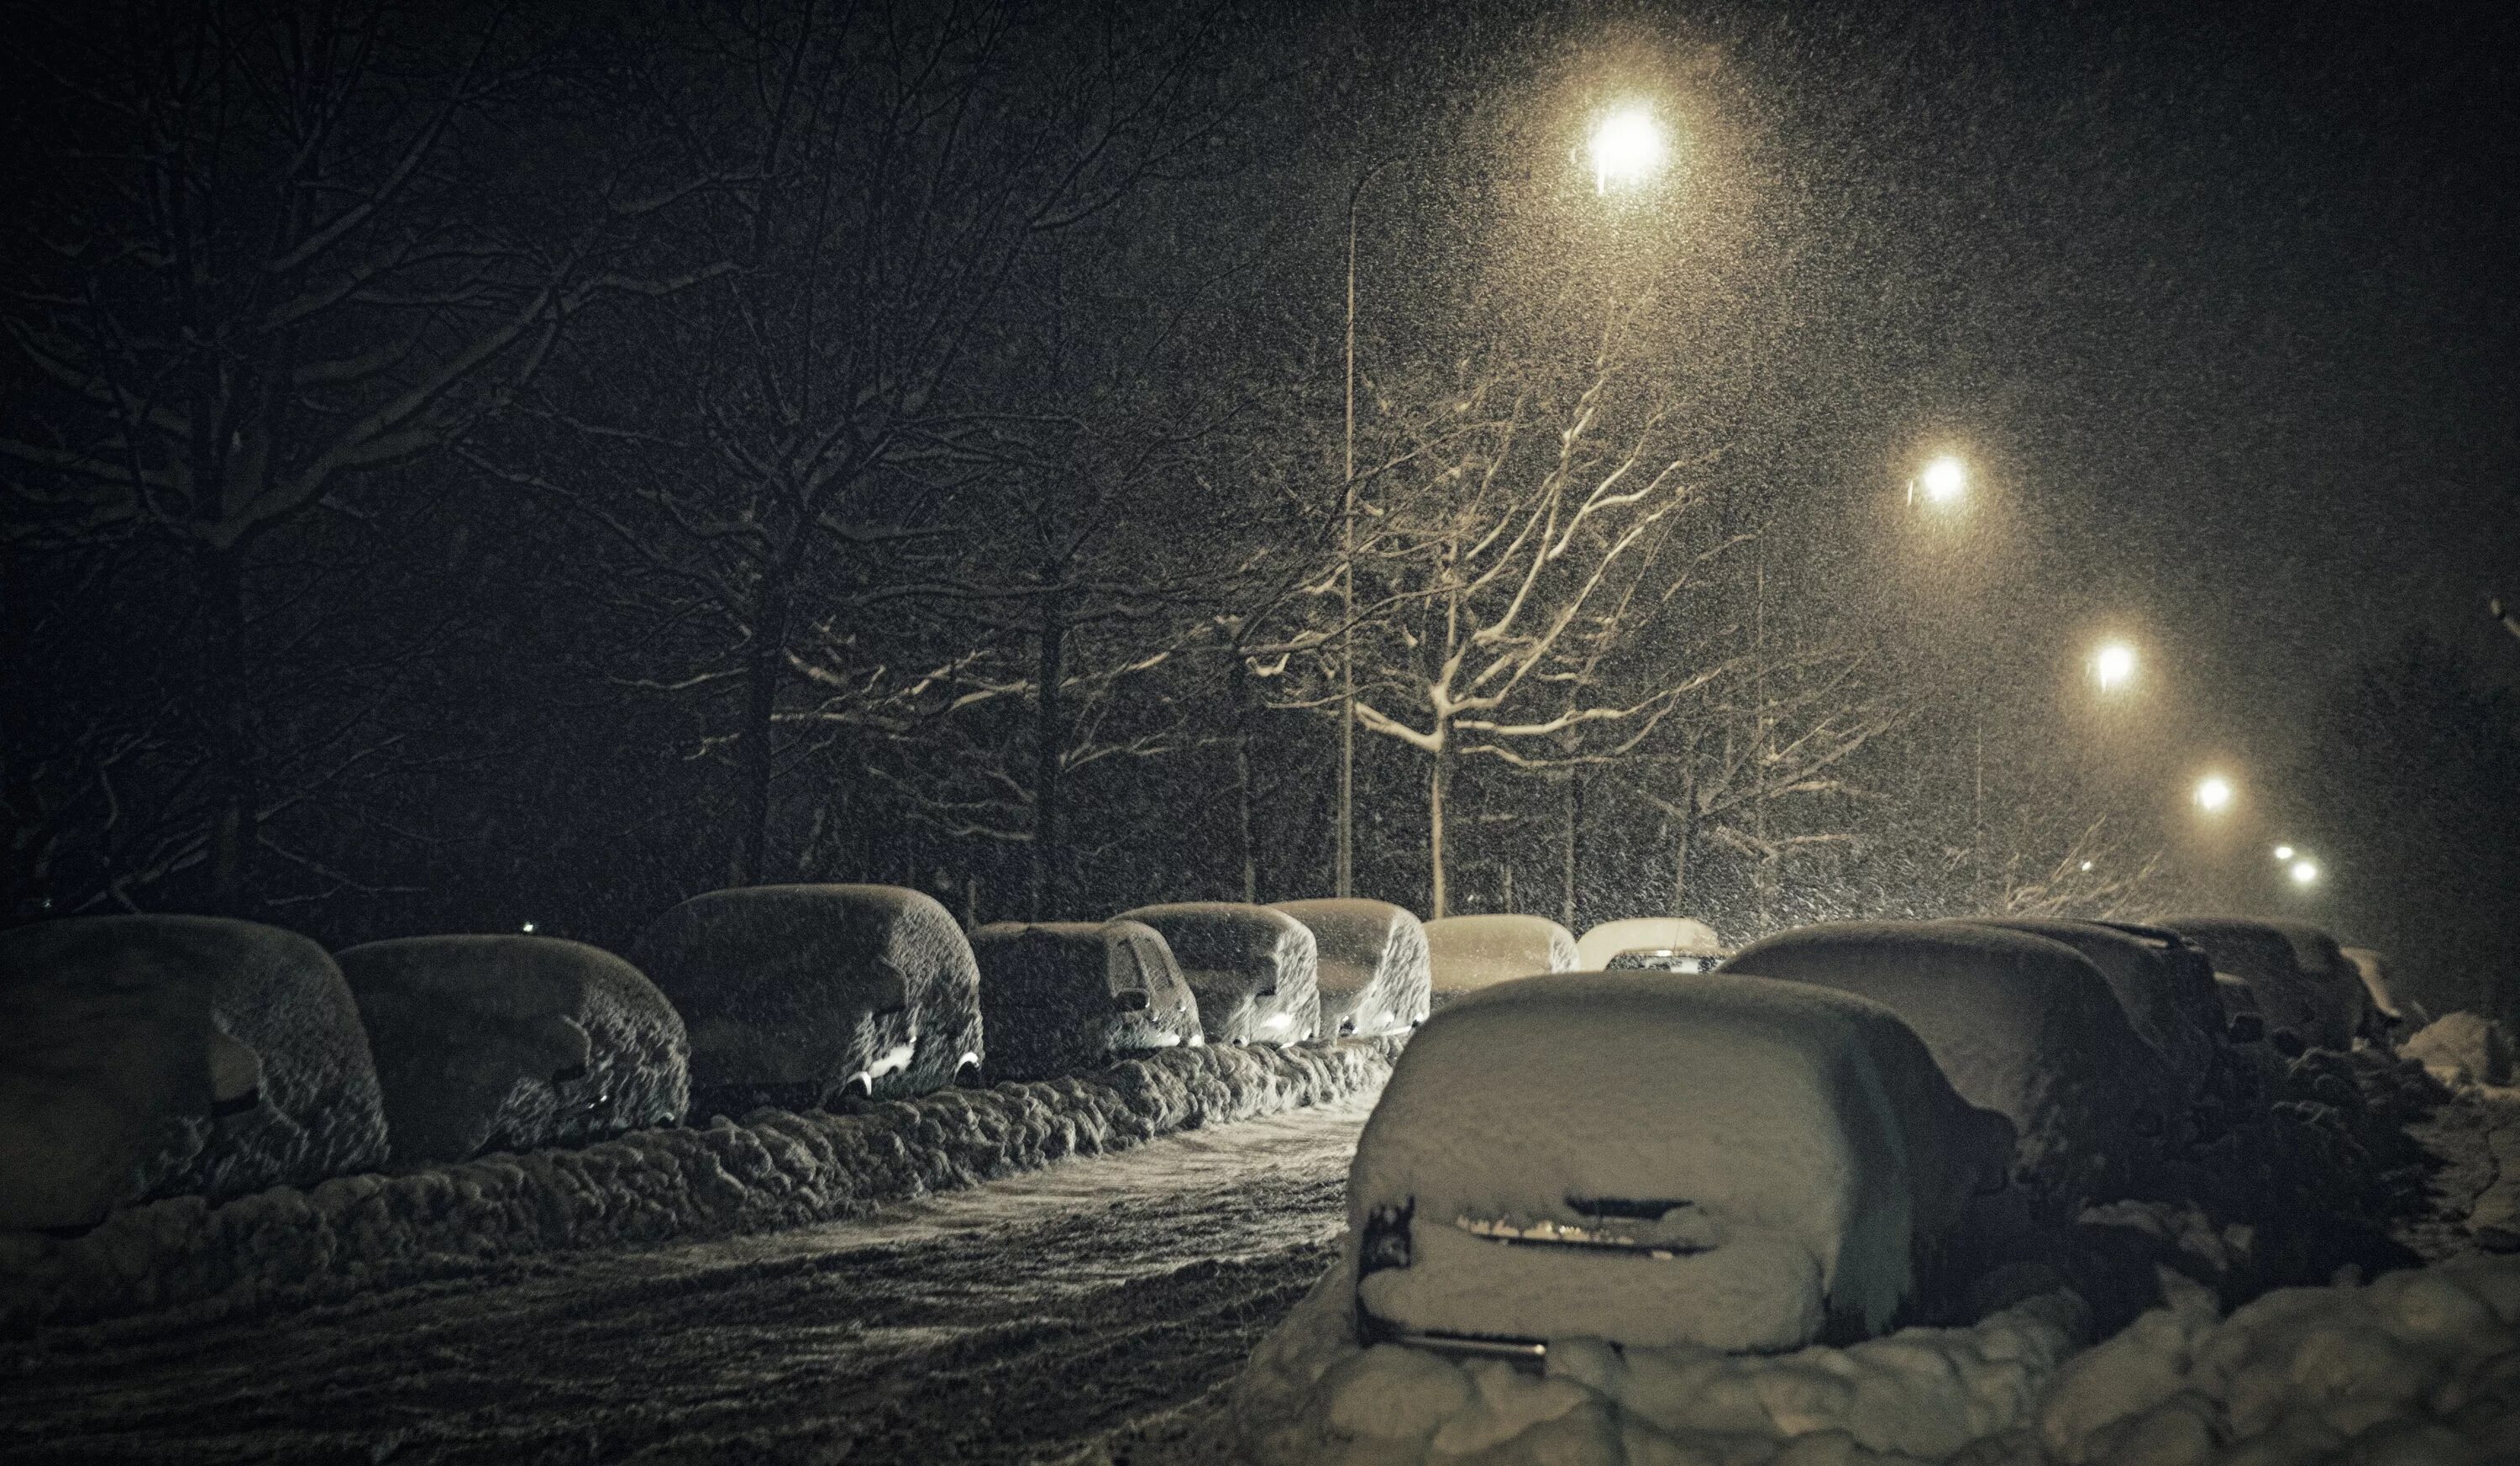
[(2305, 872), (2113, 665), (1628, 149), (2284, 852), (1944, 481), (2213, 794)]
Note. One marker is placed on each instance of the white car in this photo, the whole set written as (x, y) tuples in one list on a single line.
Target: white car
[(798, 995), (1658, 1160), (1060, 997), (1371, 965), (1254, 971), (514, 1042), (1649, 943)]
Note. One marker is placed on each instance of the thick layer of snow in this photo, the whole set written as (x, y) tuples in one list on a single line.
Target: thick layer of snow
[(2021, 1025), (1470, 952), (797, 993), (1775, 1159), (1311, 1395), (511, 1042), (2166, 992), (1373, 966), (2393, 1017), (2463, 1046), (772, 1171), (1678, 933), (1057, 997), (2300, 976), (2422, 1368), (155, 1055), (1255, 970)]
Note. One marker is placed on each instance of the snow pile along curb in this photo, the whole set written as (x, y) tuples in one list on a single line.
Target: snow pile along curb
[(774, 1170)]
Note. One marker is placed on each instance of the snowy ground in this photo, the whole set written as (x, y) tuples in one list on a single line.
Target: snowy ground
[(1023, 1320)]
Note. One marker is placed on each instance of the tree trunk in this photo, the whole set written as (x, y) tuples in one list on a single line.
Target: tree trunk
[(763, 667), (1238, 679), (1049, 748), (1572, 855), (1680, 841), (1439, 783), (236, 823)]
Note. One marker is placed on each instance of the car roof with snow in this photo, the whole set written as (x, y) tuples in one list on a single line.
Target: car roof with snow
[(1648, 933), (1472, 951)]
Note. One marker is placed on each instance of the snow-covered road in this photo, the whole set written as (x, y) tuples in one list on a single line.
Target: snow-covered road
[(1014, 1321)]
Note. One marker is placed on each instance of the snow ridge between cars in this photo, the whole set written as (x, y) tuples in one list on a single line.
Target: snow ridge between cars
[(773, 1170)]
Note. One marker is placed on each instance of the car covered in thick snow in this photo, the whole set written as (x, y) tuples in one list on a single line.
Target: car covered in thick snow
[(2023, 1026), (798, 996), (1060, 997), (2163, 983), (2304, 985), (2389, 1018), (1658, 1160), (1649, 943), (1253, 970), (148, 1055), (1370, 964), (1465, 953), (514, 1043)]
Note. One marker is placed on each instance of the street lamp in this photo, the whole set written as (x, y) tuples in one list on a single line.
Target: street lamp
[(2303, 872), (2113, 665), (2213, 794), (1628, 149), (2284, 852), (1943, 483)]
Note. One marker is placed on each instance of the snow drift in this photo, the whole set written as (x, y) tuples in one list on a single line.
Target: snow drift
[(794, 994), (1661, 1159), (1470, 952), (773, 1170), (1371, 964), (154, 1055), (511, 1042), (2463, 1046), (1057, 997), (1254, 970), (2021, 1025)]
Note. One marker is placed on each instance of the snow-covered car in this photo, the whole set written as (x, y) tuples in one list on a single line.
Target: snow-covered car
[(795, 995), (2023, 1026), (2388, 1018), (2163, 983), (514, 1043), (1658, 1160), (1465, 953), (1253, 970), (1649, 943), (147, 1056), (1371, 965), (2304, 985), (1060, 997), (2242, 1018)]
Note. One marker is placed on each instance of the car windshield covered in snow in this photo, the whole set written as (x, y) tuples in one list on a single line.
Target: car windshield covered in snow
[(1658, 1160)]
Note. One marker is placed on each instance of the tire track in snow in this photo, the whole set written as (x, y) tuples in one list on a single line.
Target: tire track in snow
[(1013, 1322)]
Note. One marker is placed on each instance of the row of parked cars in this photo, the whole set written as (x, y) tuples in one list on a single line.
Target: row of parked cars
[(1789, 1148), (148, 1055)]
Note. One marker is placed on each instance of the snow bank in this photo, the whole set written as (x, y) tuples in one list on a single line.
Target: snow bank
[(2300, 977), (2164, 987), (2462, 1046), (510, 1043), (1372, 966), (1741, 1162), (1654, 933), (1057, 997), (1310, 1394), (1255, 971), (1468, 952), (2021, 1025), (153, 1055), (773, 1170), (794, 994), (2418, 1367)]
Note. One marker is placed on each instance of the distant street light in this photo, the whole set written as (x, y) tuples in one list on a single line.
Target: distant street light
[(1628, 149), (2213, 794), (2113, 665), (2303, 872), (1943, 482), (2284, 852)]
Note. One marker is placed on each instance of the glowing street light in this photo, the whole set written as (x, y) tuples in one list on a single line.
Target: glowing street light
[(1943, 483), (2213, 794), (1628, 149), (2284, 852), (2113, 665), (2303, 872)]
